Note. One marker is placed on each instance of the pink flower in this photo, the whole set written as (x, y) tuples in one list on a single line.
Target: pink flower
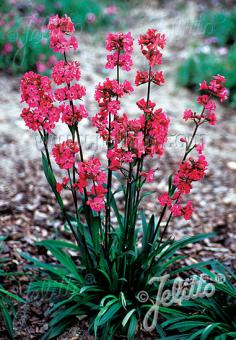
[(156, 78), (200, 148), (91, 170), (64, 73), (176, 210), (119, 41), (7, 48), (139, 144), (215, 87), (203, 100), (164, 199), (61, 186), (188, 114), (41, 67), (187, 211), (150, 43), (110, 10), (91, 18), (92, 178), (60, 94), (122, 45), (75, 92), (73, 117), (96, 203), (59, 31), (189, 171), (148, 175), (124, 61), (36, 93), (64, 154)]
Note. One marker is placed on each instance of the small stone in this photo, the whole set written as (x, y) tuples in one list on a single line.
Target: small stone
[(233, 247), (230, 198), (18, 197), (40, 217), (231, 165), (4, 206)]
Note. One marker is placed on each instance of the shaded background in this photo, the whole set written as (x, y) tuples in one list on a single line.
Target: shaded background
[(200, 42)]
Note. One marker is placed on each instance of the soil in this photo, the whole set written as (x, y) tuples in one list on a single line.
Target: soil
[(28, 212)]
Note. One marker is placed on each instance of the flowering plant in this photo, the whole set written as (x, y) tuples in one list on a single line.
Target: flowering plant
[(112, 250)]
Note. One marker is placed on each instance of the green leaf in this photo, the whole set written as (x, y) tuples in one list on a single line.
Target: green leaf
[(95, 227), (132, 327), (186, 325), (50, 286), (13, 296), (207, 331), (55, 269), (7, 319), (110, 296), (109, 313), (127, 317), (51, 179), (123, 300), (57, 244), (119, 217), (171, 187), (67, 262)]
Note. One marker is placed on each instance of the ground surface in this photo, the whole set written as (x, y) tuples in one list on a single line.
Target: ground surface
[(27, 209)]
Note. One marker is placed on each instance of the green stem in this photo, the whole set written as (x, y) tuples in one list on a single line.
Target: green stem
[(109, 176), (141, 160), (188, 149)]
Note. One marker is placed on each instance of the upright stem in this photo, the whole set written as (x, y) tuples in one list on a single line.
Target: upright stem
[(44, 138), (140, 162), (45, 142), (109, 176), (128, 203), (188, 149)]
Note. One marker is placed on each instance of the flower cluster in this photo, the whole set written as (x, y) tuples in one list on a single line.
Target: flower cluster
[(176, 208), (142, 77), (107, 94), (59, 30), (36, 93), (215, 87), (74, 92), (189, 171), (62, 185), (132, 139), (208, 114), (92, 178), (150, 43), (72, 115), (64, 154), (122, 45), (156, 125), (65, 72)]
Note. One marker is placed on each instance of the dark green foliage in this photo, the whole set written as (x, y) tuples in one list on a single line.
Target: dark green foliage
[(221, 25), (111, 302), (29, 43), (7, 310)]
